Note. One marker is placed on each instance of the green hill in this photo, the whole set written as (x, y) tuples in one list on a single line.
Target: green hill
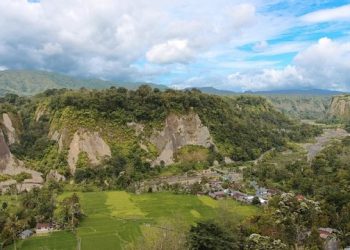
[(90, 133), (27, 82)]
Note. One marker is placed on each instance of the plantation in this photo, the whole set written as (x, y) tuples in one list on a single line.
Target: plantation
[(118, 219)]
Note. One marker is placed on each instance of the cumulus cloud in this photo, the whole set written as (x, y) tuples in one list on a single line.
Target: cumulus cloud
[(324, 64), (334, 14), (172, 42), (70, 37), (172, 51)]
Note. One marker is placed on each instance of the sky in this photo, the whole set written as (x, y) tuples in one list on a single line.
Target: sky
[(227, 44)]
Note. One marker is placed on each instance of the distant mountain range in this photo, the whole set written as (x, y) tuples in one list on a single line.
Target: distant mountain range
[(28, 82), (296, 92)]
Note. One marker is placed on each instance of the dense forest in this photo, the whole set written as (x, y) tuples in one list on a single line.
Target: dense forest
[(242, 128)]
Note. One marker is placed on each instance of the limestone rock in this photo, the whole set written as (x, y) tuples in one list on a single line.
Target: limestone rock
[(10, 130), (90, 143), (180, 131), (54, 175)]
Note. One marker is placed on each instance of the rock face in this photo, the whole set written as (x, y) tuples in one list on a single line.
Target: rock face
[(55, 176), (340, 107), (179, 131), (9, 165), (10, 130), (5, 154), (90, 143)]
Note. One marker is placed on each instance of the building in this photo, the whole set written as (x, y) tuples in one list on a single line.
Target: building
[(218, 195), (26, 234), (329, 237), (43, 228), (239, 196)]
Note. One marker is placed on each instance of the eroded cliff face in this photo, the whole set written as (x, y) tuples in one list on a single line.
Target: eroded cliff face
[(340, 107), (9, 127), (179, 131), (9, 165), (89, 142)]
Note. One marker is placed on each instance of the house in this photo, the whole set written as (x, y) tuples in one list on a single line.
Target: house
[(239, 196), (261, 192), (300, 197), (328, 235), (26, 234), (326, 232), (43, 228), (217, 195)]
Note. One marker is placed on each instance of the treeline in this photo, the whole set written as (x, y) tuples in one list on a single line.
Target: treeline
[(286, 223), (243, 128), (24, 211), (326, 180)]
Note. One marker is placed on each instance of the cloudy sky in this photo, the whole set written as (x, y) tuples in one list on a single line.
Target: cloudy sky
[(227, 44)]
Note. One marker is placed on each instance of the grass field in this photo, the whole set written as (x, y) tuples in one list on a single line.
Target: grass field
[(116, 219)]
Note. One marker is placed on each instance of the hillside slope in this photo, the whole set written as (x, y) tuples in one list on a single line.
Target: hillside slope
[(133, 132), (28, 82)]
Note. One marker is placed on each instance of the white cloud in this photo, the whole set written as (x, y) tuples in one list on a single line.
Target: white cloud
[(172, 51), (2, 68), (326, 15), (243, 15), (322, 65)]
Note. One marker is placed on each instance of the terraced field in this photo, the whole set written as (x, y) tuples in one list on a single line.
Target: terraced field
[(117, 219)]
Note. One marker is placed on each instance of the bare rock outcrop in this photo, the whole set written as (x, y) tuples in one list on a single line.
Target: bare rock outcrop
[(55, 176), (10, 129), (39, 112), (340, 107), (180, 131), (9, 165), (60, 138), (89, 142)]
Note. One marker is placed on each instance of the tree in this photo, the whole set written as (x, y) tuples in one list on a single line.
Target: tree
[(256, 201), (4, 205), (314, 240), (68, 213), (208, 235), (257, 241)]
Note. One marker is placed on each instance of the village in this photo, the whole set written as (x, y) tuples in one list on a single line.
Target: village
[(219, 183)]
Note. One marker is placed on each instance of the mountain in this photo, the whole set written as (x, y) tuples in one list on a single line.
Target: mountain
[(312, 92), (214, 91), (131, 131), (27, 82)]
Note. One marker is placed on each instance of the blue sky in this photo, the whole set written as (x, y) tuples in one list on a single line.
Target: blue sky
[(227, 44)]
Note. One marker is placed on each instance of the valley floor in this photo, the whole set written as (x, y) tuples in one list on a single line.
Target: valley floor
[(118, 219)]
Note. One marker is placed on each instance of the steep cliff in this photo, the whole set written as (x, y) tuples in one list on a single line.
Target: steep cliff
[(66, 130), (10, 166), (89, 142), (340, 108), (179, 131), (10, 124)]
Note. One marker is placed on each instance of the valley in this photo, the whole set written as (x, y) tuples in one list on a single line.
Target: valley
[(119, 167)]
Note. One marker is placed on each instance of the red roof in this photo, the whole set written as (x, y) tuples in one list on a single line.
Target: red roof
[(300, 197), (42, 225)]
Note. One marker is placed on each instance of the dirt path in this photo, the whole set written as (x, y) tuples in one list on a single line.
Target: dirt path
[(321, 141)]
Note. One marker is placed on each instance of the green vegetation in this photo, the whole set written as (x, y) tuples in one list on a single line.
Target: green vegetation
[(302, 106), (30, 82), (325, 180), (114, 220), (242, 128), (62, 240)]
